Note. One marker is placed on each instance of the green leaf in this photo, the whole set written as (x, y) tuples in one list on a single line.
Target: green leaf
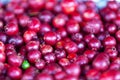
[(25, 64)]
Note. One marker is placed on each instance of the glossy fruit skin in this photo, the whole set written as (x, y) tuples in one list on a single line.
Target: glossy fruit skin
[(43, 76), (45, 28), (102, 36), (57, 8), (29, 73), (40, 64), (88, 15), (60, 44), (50, 57), (34, 24), (112, 52), (111, 28), (77, 37), (94, 44), (90, 54), (39, 4), (58, 37), (91, 4), (29, 35), (64, 62), (67, 39), (46, 16), (9, 46), (114, 66), (111, 74), (92, 26), (32, 45), (46, 49), (112, 5), (93, 74), (82, 60), (18, 10), (14, 60), (73, 69), (59, 40), (50, 38), (110, 16), (72, 27), (11, 29), (77, 17), (1, 24), (68, 6), (8, 16), (14, 20), (72, 57), (88, 37), (117, 60), (81, 46), (10, 51), (50, 4), (70, 47), (52, 69), (14, 72), (118, 35), (109, 41), (60, 20), (60, 75), (116, 21), (81, 7), (23, 20), (2, 46), (2, 66), (59, 53), (27, 76), (16, 40), (101, 62), (70, 77), (62, 32), (3, 37), (33, 56), (2, 56)]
